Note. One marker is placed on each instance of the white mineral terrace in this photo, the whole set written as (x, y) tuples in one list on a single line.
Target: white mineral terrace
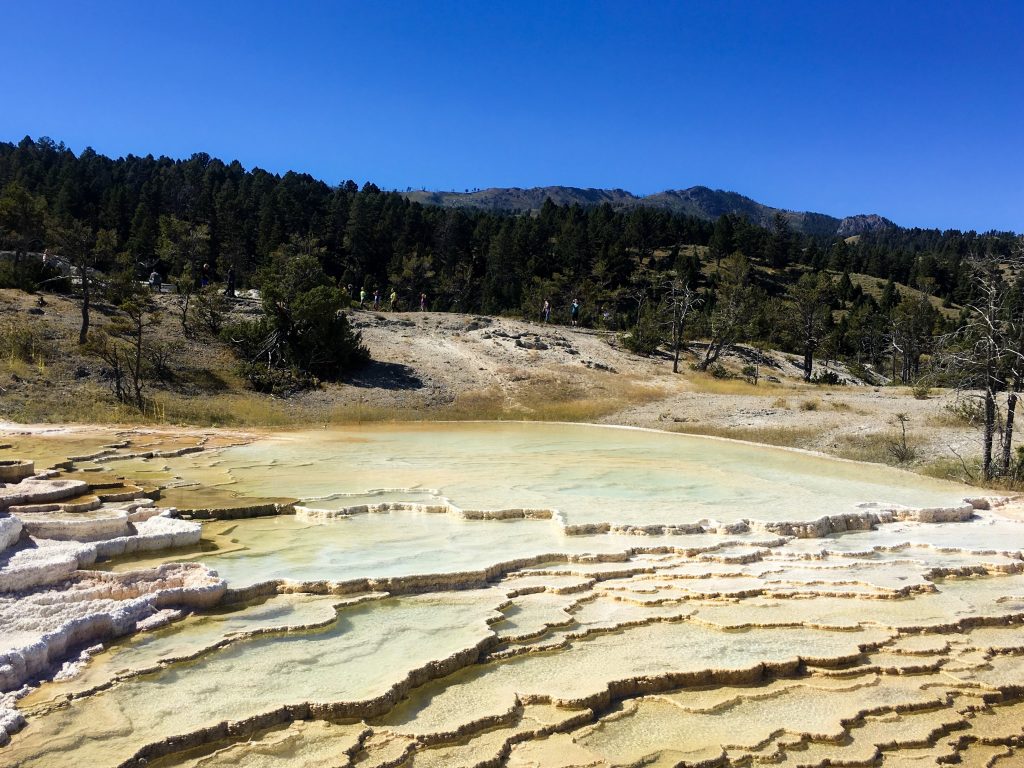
[(512, 595)]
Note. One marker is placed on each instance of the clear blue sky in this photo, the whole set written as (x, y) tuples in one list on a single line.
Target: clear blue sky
[(912, 110)]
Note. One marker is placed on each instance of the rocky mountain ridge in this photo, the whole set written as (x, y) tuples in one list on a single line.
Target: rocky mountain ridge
[(702, 202)]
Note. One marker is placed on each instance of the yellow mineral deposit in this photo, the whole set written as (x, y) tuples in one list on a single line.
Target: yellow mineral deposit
[(533, 596)]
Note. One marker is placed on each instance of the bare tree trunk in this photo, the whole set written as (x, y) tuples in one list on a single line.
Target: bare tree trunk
[(989, 433), (137, 362), (1011, 409), (808, 362), (675, 346), (710, 355), (83, 334)]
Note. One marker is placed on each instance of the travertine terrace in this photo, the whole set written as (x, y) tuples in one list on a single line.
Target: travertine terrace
[(499, 595)]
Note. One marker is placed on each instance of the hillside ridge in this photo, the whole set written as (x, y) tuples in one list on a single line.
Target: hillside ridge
[(700, 201)]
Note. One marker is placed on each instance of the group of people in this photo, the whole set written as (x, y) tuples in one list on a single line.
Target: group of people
[(205, 276), (574, 312), (156, 280), (377, 299)]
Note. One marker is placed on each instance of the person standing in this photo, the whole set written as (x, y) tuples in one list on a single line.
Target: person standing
[(546, 310), (362, 297), (230, 289), (423, 302), (574, 312), (376, 299), (394, 299)]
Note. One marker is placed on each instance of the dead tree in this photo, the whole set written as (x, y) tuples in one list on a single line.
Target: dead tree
[(680, 299), (986, 354)]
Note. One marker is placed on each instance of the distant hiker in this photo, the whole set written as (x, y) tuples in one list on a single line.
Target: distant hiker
[(423, 302), (574, 313), (546, 310), (394, 300), (230, 289), (362, 297), (155, 283), (350, 291), (376, 298), (204, 276)]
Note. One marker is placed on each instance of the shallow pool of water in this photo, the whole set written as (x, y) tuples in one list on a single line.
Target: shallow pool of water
[(590, 473), (615, 647)]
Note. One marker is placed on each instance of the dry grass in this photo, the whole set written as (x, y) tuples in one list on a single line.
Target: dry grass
[(872, 447), (90, 405), (701, 382), (810, 404), (243, 409), (967, 472), (22, 341), (789, 437), (952, 468), (539, 399), (547, 398)]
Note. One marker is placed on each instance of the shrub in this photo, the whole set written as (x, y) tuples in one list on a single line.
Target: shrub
[(646, 336), (859, 371), (718, 371), (280, 382), (210, 306), (828, 378), (304, 308), (249, 337), (899, 449), (810, 405), (921, 391), (158, 361), (969, 411)]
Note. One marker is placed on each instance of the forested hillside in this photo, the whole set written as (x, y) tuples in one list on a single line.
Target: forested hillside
[(646, 270)]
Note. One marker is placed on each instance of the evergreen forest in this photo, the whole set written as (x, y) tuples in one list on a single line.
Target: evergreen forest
[(880, 299)]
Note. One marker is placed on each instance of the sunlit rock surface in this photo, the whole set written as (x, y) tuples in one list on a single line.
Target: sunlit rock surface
[(517, 595)]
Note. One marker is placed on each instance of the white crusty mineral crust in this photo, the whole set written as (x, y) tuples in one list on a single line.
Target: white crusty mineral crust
[(35, 491), (41, 626), (76, 527), (13, 470), (10, 531)]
